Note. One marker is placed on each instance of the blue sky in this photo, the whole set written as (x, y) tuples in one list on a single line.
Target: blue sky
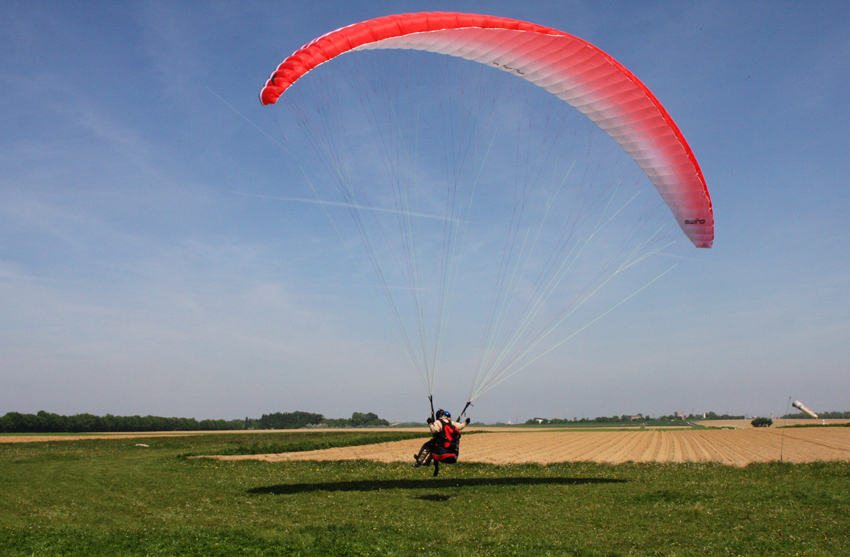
[(133, 280)]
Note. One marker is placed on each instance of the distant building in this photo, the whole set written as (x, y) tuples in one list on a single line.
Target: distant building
[(680, 415), (636, 417)]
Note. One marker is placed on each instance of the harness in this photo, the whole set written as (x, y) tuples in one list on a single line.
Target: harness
[(447, 444)]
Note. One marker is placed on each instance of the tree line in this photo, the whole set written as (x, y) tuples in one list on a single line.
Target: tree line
[(46, 422), (632, 418), (821, 415), (662, 420)]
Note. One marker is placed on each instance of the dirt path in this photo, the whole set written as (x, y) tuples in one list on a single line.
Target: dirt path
[(734, 447)]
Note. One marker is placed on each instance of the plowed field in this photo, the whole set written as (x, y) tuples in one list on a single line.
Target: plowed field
[(733, 447)]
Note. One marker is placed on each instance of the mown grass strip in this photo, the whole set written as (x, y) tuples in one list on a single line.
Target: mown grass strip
[(314, 442)]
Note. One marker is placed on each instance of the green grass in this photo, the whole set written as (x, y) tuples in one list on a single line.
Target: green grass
[(274, 443), (109, 497)]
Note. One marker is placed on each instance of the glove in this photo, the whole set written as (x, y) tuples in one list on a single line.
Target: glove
[(467, 421), (429, 421)]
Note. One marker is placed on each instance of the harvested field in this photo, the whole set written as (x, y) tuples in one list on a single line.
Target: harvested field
[(64, 437), (777, 422), (732, 447)]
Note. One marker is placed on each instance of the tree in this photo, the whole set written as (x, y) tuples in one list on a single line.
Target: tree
[(368, 419), (762, 422), (289, 420)]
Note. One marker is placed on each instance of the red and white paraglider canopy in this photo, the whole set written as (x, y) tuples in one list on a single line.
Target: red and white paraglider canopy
[(571, 69)]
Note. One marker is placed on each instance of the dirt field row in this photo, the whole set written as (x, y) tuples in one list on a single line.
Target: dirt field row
[(733, 447)]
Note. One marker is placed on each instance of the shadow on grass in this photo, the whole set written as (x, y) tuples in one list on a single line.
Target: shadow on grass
[(375, 485), (435, 498)]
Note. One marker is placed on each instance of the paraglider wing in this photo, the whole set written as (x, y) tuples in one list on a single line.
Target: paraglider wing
[(566, 66)]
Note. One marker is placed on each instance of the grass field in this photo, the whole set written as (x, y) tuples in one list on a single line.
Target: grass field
[(111, 497)]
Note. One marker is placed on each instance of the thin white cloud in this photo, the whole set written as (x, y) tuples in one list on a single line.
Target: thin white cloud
[(347, 206)]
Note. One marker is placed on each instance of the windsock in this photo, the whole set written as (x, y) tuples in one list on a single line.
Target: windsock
[(802, 407)]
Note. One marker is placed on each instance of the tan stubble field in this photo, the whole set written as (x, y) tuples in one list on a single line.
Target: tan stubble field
[(733, 447)]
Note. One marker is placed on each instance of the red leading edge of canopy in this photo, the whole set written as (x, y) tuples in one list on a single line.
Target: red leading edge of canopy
[(331, 45)]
